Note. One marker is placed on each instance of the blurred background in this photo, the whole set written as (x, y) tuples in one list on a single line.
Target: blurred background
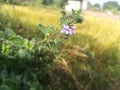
[(88, 60)]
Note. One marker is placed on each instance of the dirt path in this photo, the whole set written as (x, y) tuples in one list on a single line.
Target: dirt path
[(103, 15)]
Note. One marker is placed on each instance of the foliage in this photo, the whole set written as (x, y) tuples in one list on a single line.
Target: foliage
[(89, 4), (70, 19), (111, 5), (95, 7), (97, 69), (93, 55), (88, 60), (25, 64), (61, 3), (67, 21), (3, 21), (47, 2), (15, 2)]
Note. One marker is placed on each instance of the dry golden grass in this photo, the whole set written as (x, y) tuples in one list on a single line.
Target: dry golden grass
[(33, 15), (106, 31)]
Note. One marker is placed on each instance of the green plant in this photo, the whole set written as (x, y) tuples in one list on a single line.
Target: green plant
[(25, 64), (24, 59), (3, 21)]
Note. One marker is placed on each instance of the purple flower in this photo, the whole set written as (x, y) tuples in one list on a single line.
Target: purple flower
[(68, 30), (66, 27)]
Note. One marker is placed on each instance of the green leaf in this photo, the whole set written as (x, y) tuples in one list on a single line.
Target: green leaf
[(4, 87), (43, 29), (76, 12), (32, 88), (29, 44), (35, 85), (57, 41), (5, 49), (8, 33), (17, 41), (1, 34), (63, 21), (79, 12), (51, 29), (63, 13), (52, 46)]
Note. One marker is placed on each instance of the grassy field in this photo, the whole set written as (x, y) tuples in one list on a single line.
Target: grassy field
[(33, 15), (100, 28), (91, 55)]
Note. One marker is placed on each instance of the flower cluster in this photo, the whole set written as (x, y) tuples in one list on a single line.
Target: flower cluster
[(68, 30)]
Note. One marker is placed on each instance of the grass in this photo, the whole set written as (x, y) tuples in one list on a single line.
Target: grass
[(91, 57), (105, 31), (28, 18), (33, 15), (99, 28)]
